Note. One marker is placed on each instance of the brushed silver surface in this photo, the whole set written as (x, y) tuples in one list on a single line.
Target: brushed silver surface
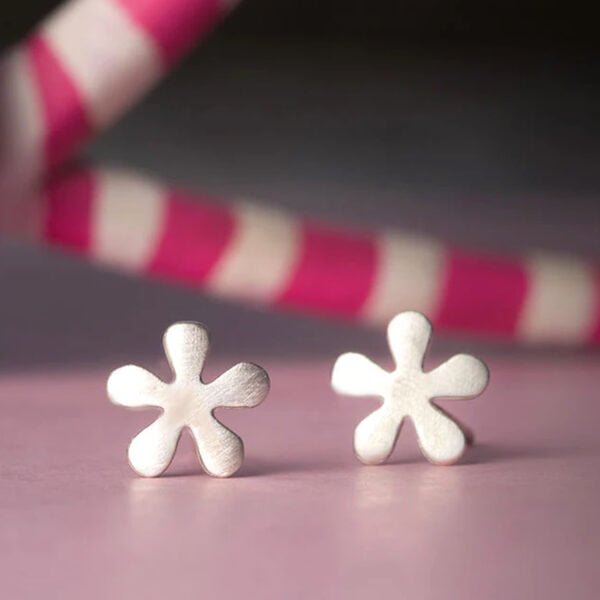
[(408, 392), (189, 402)]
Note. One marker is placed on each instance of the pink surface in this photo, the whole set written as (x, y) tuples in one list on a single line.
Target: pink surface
[(518, 519), (596, 331)]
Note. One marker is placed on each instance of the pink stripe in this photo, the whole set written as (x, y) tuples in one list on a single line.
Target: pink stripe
[(174, 25), (335, 273), (194, 238), (67, 125), (68, 214), (482, 294)]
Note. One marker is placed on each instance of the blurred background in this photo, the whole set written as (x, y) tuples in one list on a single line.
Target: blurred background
[(474, 122)]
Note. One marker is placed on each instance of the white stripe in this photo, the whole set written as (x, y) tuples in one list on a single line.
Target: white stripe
[(559, 307), (129, 216), (258, 261), (21, 128), (407, 277), (110, 59)]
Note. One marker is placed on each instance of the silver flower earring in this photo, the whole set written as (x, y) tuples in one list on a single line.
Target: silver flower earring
[(407, 392), (187, 402)]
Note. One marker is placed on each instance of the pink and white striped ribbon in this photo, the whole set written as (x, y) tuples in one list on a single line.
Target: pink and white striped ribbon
[(251, 253), (82, 69)]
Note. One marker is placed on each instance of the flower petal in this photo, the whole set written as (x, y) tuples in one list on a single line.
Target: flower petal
[(462, 376), (220, 451), (356, 375), (375, 436), (440, 438), (152, 450), (408, 336), (467, 431), (135, 387), (186, 346), (244, 385)]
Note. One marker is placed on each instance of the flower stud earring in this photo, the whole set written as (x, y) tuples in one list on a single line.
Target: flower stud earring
[(187, 402), (408, 392)]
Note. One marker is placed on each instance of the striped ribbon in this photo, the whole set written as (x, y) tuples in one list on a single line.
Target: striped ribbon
[(81, 70), (92, 59), (252, 253)]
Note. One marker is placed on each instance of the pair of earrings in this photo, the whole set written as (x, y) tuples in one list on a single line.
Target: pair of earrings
[(189, 402)]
